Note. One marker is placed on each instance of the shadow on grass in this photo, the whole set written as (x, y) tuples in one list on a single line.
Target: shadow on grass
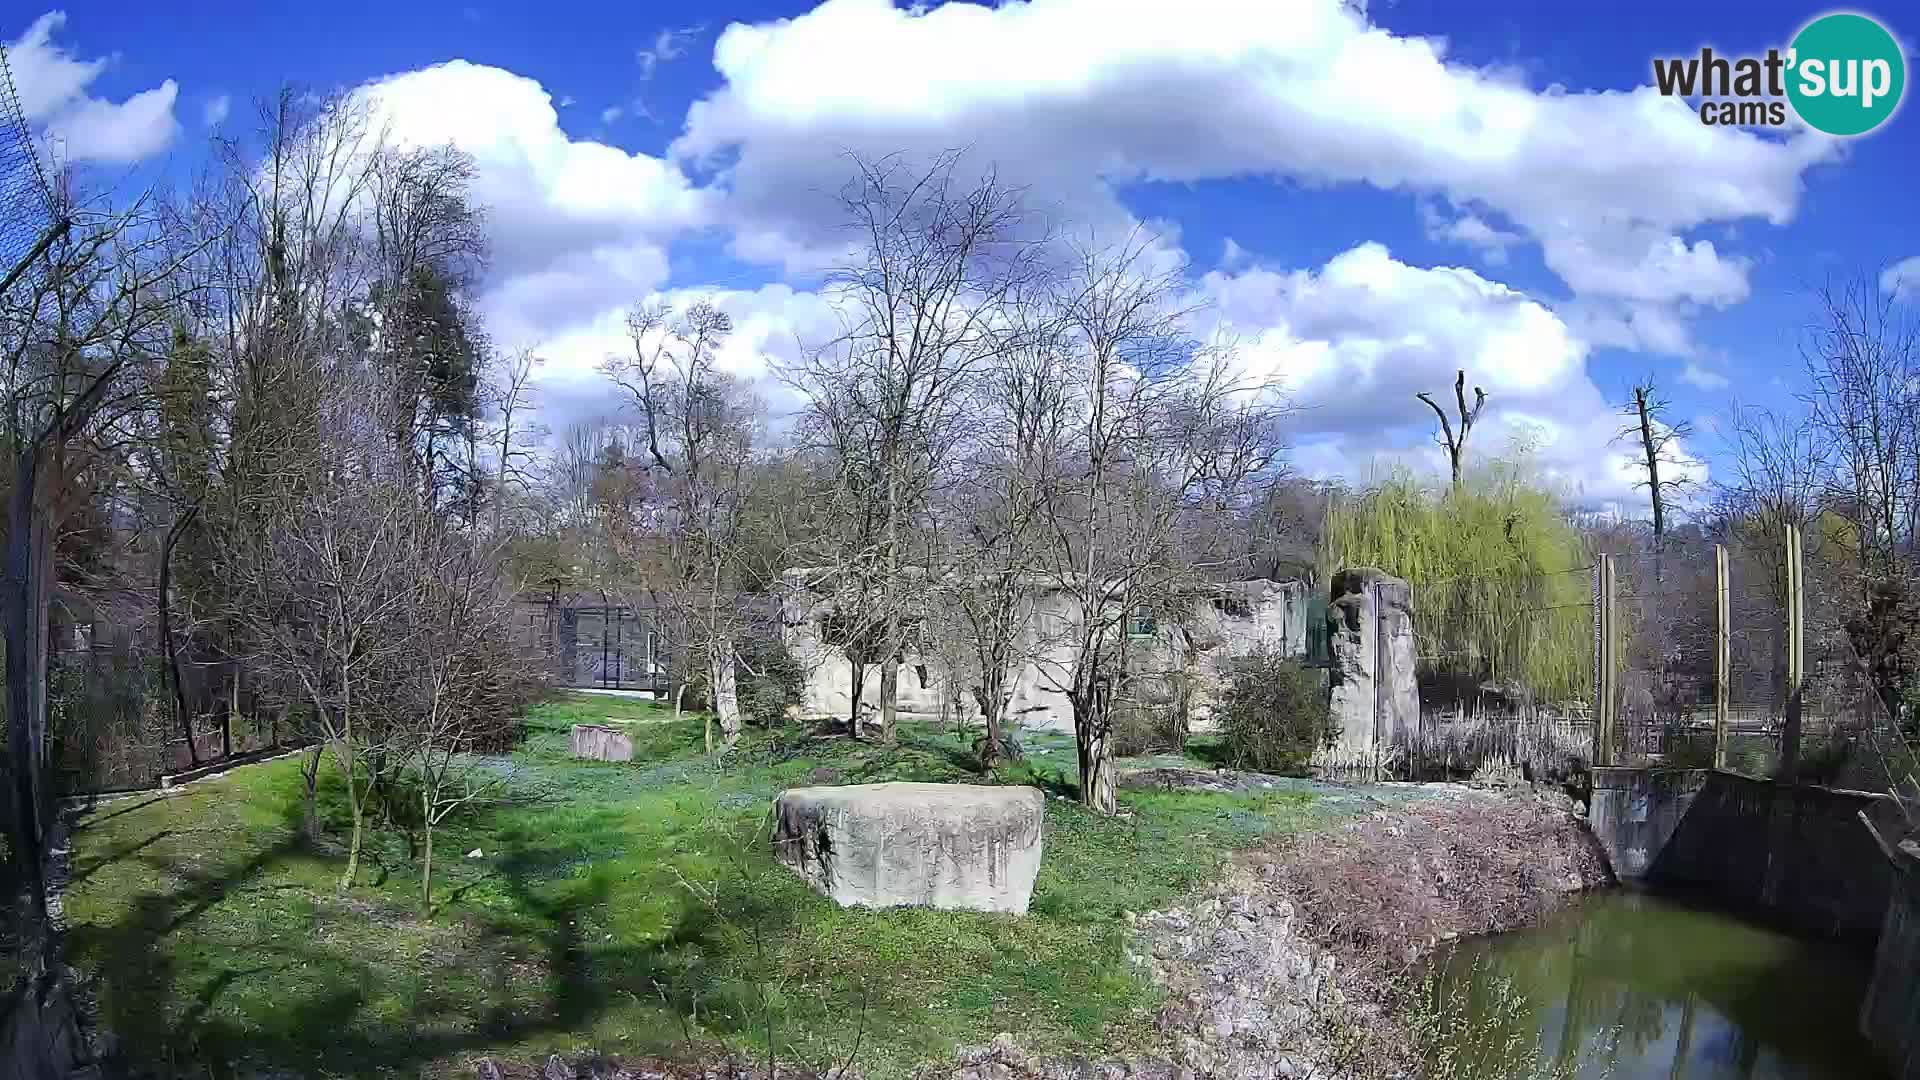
[(82, 873), (536, 971)]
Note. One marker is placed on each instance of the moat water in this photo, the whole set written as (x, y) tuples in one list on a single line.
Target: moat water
[(1635, 987)]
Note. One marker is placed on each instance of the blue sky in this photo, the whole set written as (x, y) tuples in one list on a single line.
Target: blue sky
[(1366, 200)]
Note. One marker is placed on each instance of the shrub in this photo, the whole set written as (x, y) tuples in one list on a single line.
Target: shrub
[(1143, 727), (770, 681), (1274, 715)]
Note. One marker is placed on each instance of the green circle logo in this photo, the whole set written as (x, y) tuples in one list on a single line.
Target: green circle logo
[(1845, 74)]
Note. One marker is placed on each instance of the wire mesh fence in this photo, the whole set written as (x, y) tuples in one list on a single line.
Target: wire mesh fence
[(26, 196), (597, 642)]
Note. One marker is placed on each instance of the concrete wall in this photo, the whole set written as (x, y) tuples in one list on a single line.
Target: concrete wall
[(1634, 812), (1795, 855), (1207, 631), (1890, 1016)]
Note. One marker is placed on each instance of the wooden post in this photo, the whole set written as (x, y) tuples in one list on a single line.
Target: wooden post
[(1721, 656), (1605, 662), (1796, 659)]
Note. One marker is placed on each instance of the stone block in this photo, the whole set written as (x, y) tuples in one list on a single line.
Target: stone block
[(919, 845), (597, 743)]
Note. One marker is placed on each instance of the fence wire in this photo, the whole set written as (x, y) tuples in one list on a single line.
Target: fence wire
[(26, 195)]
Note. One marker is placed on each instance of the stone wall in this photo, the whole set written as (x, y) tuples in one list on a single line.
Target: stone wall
[(1890, 1017), (1795, 855)]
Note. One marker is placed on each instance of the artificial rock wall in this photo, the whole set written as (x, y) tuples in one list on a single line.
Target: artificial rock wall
[(1199, 638), (1375, 695)]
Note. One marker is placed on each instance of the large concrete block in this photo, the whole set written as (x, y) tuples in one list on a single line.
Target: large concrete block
[(597, 743), (922, 845)]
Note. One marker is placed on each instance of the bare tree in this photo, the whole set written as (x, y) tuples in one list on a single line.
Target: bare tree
[(461, 672), (1456, 444), (701, 428), (511, 397), (1862, 356), (1660, 438), (922, 306), (79, 338), (1159, 430), (992, 533)]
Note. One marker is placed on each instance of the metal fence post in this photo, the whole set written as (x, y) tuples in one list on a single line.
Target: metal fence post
[(1605, 663), (1722, 655), (1796, 659)]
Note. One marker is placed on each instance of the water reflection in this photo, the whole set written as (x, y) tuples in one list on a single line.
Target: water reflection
[(1631, 986)]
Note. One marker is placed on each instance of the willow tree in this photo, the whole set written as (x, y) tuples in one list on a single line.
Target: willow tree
[(1500, 589)]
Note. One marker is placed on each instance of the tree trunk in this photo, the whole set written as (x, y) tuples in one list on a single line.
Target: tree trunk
[(1094, 740), (353, 839), (726, 700), (1652, 452), (990, 697), (426, 856), (182, 711), (858, 669), (889, 696), (226, 722), (24, 627), (310, 813)]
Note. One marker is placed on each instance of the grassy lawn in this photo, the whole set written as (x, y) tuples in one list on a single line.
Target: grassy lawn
[(620, 908)]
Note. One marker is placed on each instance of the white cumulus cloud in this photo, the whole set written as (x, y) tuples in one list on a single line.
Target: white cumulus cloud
[(1902, 280), (53, 82), (1354, 341), (578, 227), (1074, 97)]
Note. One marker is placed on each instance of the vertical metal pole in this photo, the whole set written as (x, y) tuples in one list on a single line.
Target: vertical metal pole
[(1599, 660), (1796, 659), (1605, 661), (1613, 664), (1722, 655)]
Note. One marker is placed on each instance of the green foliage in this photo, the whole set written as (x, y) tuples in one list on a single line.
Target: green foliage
[(1274, 715), (612, 904), (1500, 588)]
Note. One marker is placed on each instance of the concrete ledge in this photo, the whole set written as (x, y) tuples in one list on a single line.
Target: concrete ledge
[(1890, 1015), (215, 768), (1796, 855)]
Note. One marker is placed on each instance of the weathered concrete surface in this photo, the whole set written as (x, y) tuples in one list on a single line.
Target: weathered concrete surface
[(1890, 1016), (1635, 811), (1796, 855), (597, 743), (922, 845), (1375, 700)]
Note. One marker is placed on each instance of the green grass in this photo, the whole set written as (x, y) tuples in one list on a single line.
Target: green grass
[(619, 908)]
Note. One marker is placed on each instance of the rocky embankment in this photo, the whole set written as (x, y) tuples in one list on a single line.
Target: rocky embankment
[(1299, 961)]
